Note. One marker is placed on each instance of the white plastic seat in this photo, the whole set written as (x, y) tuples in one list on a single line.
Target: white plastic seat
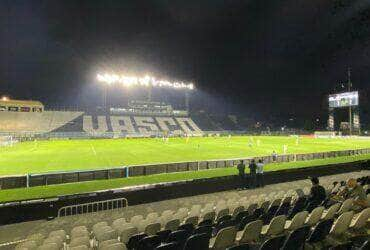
[(297, 221), (153, 228), (37, 237), (136, 219), (152, 217), (193, 220), (221, 203), (346, 206), (360, 219), (330, 213), (127, 233), (77, 234), (167, 213), (102, 229), (232, 203), (182, 210), (314, 216), (172, 224), (107, 235), (275, 227), (225, 238), (143, 224), (222, 212), (78, 229), (30, 244), (209, 207), (98, 225), (120, 227), (209, 216), (118, 222), (61, 233), (82, 247), (341, 224), (55, 239), (251, 208), (49, 246), (195, 210), (265, 205), (106, 243), (181, 214), (276, 202), (78, 241), (251, 232), (237, 210), (116, 246)]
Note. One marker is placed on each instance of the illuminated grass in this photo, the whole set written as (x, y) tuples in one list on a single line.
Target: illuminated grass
[(66, 155), (72, 188)]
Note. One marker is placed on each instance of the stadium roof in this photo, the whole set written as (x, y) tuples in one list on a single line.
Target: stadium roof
[(21, 102)]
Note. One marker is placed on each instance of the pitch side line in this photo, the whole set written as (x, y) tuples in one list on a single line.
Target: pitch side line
[(93, 149)]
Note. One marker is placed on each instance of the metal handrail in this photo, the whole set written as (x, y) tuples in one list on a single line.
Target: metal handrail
[(92, 207)]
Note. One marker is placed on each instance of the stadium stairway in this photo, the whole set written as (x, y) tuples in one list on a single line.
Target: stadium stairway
[(150, 218)]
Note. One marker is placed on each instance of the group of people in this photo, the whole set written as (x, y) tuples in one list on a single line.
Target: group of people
[(255, 177), (318, 196), (349, 189)]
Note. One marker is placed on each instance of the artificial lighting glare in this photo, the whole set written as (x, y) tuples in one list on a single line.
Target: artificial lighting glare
[(145, 81), (5, 98)]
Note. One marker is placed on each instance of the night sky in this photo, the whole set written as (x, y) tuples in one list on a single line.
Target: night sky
[(256, 57)]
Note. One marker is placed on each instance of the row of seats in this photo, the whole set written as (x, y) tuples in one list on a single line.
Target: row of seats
[(271, 211)]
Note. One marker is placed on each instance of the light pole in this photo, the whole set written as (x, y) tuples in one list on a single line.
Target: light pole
[(105, 90), (350, 107), (146, 81)]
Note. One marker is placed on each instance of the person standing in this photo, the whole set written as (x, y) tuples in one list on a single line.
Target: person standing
[(252, 174), (274, 156), (241, 170), (259, 172)]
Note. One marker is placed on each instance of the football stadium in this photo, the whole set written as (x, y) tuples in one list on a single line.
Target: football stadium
[(146, 161)]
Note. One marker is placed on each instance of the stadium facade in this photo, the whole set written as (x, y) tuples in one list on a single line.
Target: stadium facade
[(139, 119)]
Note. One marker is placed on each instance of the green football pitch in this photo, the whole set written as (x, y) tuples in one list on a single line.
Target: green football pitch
[(68, 155), (62, 155)]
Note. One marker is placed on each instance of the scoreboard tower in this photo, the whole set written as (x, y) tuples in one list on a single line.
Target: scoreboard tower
[(348, 100), (345, 100)]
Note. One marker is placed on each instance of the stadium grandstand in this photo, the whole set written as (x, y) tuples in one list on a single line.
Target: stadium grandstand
[(273, 217), (140, 118), (180, 214), (204, 125)]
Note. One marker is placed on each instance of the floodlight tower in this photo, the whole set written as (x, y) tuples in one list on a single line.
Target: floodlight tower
[(350, 107), (146, 81), (187, 101)]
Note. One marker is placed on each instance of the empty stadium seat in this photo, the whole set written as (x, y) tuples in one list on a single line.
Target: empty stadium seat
[(296, 238), (319, 233), (297, 221), (197, 242), (224, 238), (251, 232), (314, 216), (78, 241), (330, 213), (275, 227), (127, 233)]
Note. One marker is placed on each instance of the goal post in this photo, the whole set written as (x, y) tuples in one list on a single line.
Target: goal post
[(325, 134)]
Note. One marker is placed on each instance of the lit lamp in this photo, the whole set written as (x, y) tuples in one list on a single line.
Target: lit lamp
[(5, 98)]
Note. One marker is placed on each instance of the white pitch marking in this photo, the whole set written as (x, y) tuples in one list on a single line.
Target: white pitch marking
[(93, 149)]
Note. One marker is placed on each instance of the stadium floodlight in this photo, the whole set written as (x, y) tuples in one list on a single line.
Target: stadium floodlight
[(5, 98), (145, 81)]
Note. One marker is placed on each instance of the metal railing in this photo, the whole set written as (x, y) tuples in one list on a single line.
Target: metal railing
[(92, 207)]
